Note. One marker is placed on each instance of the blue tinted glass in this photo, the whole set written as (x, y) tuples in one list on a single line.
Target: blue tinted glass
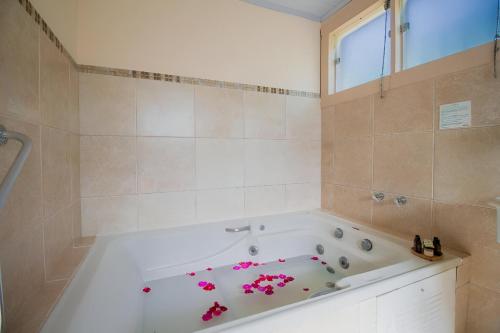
[(360, 54), (439, 28)]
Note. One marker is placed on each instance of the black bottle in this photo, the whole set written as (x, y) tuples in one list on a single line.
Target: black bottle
[(437, 246), (417, 244)]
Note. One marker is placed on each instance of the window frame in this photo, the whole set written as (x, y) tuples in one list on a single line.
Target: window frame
[(336, 36)]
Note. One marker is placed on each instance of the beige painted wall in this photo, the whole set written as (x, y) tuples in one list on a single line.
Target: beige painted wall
[(62, 17), (218, 39)]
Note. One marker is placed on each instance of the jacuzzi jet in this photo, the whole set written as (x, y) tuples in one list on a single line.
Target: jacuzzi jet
[(344, 262), (330, 269), (320, 249), (253, 250)]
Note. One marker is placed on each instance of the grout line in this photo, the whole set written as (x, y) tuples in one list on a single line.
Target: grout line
[(372, 115)]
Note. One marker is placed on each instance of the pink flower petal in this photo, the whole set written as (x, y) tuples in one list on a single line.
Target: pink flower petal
[(282, 276), (146, 289), (191, 274), (314, 258), (236, 268), (247, 286), (209, 268), (281, 284), (248, 291), (281, 260), (202, 283)]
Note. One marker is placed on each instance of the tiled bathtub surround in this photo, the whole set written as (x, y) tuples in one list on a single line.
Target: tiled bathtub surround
[(40, 224), (157, 154), (394, 145)]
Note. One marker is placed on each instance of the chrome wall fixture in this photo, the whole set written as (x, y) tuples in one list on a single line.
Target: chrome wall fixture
[(378, 196), (16, 167), (400, 200)]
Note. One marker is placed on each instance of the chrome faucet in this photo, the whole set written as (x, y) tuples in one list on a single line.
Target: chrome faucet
[(238, 229)]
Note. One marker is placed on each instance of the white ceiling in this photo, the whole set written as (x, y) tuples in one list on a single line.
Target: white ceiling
[(316, 10)]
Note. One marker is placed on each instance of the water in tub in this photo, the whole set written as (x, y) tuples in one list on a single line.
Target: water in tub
[(197, 300)]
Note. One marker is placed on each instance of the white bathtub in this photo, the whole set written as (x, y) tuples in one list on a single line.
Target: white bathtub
[(106, 294)]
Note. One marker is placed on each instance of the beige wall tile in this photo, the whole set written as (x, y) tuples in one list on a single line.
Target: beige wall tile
[(461, 226), (107, 105), (461, 304), (165, 109), (485, 267), (464, 271), (467, 165), (221, 204), (413, 218), (351, 203), (353, 162), (58, 240), (303, 118), (109, 215), (406, 109), (265, 162), (264, 115), (219, 163), (327, 196), (165, 164), (302, 196), (476, 85), (108, 165), (166, 210), (353, 119), (24, 205), (218, 112), (264, 200), (54, 86), (75, 167), (19, 67), (327, 145), (56, 170), (303, 162), (77, 222), (22, 267), (74, 99), (484, 306), (403, 163)]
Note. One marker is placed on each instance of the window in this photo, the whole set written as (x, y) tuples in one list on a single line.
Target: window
[(359, 49), (438, 28)]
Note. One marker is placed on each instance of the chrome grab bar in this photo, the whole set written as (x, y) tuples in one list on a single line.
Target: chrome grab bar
[(239, 229), (16, 167)]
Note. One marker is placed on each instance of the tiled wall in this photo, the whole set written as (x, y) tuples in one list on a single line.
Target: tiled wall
[(394, 145), (157, 154), (41, 220)]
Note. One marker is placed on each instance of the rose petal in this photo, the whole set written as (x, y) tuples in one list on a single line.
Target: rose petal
[(248, 291), (146, 289), (202, 283), (314, 258), (281, 260), (281, 284), (282, 276), (209, 268), (247, 286), (236, 268)]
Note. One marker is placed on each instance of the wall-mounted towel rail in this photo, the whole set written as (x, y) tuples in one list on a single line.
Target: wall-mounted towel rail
[(15, 169)]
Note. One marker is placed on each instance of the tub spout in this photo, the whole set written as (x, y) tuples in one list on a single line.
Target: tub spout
[(238, 229)]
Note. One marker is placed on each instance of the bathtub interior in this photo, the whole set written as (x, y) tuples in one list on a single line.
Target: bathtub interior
[(108, 287)]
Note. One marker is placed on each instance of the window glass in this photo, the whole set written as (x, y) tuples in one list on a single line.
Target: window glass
[(438, 28), (360, 54)]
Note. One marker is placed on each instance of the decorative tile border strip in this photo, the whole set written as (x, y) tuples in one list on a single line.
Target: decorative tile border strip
[(37, 18), (31, 11), (193, 81)]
